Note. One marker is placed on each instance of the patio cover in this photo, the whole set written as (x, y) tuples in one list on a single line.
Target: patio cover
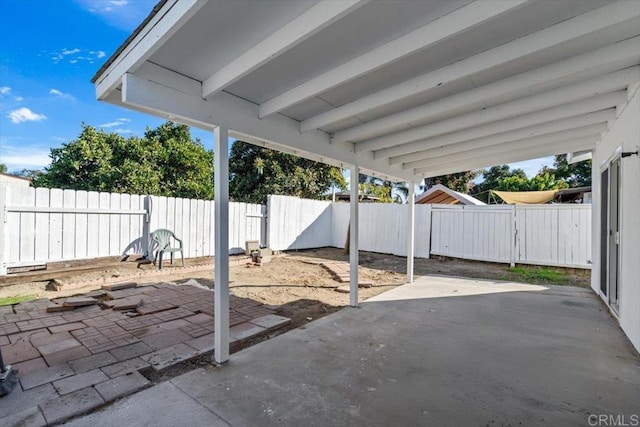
[(526, 197), (400, 90)]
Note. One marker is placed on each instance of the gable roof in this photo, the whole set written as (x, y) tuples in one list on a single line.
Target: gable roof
[(440, 194)]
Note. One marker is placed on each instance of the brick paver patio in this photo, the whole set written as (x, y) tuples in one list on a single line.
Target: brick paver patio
[(74, 357)]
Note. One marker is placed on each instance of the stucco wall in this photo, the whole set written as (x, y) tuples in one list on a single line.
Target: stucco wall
[(624, 133)]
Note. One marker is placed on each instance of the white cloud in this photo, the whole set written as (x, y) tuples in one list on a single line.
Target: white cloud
[(18, 98), (4, 90), (98, 54), (122, 14), (17, 154), (61, 95), (70, 51), (24, 114), (115, 123), (119, 130)]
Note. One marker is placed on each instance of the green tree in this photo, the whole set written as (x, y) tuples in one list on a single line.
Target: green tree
[(387, 191), (575, 175), (461, 181), (256, 172), (164, 162), (492, 179), (3, 168), (541, 182)]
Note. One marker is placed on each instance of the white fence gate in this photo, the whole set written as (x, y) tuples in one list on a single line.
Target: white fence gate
[(484, 233), (554, 235)]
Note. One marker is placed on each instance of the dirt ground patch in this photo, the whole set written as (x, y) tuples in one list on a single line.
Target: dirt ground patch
[(302, 287)]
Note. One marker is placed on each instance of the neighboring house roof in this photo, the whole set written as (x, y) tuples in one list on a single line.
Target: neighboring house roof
[(439, 194), (6, 178)]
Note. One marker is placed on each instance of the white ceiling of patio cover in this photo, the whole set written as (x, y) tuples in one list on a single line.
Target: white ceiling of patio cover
[(490, 81)]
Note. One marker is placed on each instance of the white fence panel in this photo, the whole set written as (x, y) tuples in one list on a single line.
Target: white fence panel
[(44, 225), (483, 233), (298, 223), (383, 228), (554, 235), (191, 221)]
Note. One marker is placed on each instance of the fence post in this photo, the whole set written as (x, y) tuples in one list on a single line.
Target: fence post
[(429, 229), (514, 232), (3, 239), (264, 226), (146, 222)]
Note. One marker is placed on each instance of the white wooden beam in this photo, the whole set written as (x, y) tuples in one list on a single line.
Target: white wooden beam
[(598, 62), (167, 94), (221, 245), (509, 157), (554, 114), (464, 151), (167, 21), (608, 16), (411, 207), (354, 200), (456, 22), (514, 135), (580, 91), (316, 18), (579, 156)]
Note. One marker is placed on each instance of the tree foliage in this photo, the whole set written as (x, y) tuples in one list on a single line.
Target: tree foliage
[(504, 178), (492, 179), (461, 181), (575, 175), (3, 168), (386, 191), (166, 161), (256, 172)]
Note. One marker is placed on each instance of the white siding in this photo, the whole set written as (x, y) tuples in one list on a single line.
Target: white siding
[(624, 135)]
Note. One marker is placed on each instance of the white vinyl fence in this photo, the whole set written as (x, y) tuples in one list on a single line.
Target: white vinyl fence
[(43, 225), (553, 235), (383, 228)]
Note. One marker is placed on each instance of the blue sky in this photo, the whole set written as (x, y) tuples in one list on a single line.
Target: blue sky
[(49, 50)]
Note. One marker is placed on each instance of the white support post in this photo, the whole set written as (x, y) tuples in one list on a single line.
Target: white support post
[(3, 196), (353, 238), (411, 207), (514, 237), (221, 275)]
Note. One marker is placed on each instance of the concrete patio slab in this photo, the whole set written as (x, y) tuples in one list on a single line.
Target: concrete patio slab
[(165, 403), (442, 351)]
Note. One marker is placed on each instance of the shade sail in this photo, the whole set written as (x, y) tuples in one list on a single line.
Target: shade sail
[(525, 197)]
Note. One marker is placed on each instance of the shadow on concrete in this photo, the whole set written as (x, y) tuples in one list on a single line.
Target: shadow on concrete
[(442, 351)]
